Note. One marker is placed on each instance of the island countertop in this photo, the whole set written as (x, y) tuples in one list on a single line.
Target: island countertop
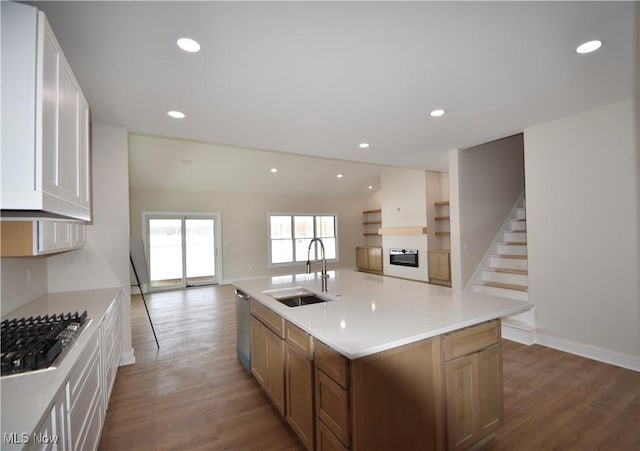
[(368, 313)]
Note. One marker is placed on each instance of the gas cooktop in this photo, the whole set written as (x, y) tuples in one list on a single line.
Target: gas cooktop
[(34, 343)]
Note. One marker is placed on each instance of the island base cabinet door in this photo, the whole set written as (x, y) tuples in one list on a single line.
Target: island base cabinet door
[(259, 351), (300, 412), (462, 401), (474, 396), (325, 440), (267, 362), (490, 390), (332, 407)]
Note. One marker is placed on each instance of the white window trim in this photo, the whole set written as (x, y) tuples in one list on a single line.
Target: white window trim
[(294, 263)]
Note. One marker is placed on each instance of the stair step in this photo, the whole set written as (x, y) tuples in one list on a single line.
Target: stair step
[(513, 256), (512, 248), (506, 286), (524, 272), (515, 243), (509, 277), (493, 289)]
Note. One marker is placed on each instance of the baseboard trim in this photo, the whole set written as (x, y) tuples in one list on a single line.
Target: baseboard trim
[(627, 361), (518, 334), (127, 358)]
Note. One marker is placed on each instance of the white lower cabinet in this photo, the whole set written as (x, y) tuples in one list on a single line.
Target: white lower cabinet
[(73, 421), (84, 396), (111, 348)]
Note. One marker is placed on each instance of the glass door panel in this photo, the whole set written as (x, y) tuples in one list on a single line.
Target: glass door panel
[(165, 253), (200, 251)]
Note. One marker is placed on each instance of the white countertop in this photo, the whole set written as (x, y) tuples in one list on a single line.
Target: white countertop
[(26, 396), (368, 313)]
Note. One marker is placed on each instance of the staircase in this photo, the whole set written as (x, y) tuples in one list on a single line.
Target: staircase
[(504, 273)]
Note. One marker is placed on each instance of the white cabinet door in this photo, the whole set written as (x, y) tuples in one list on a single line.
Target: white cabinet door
[(54, 236), (45, 155), (49, 96)]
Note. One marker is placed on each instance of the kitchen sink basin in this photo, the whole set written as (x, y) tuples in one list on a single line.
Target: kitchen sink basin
[(298, 301), (295, 297)]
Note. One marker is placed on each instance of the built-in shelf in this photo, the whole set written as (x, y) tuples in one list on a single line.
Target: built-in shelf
[(444, 233), (441, 204), (403, 231), (442, 218), (372, 220)]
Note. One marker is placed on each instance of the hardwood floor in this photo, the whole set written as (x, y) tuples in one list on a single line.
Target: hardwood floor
[(193, 394)]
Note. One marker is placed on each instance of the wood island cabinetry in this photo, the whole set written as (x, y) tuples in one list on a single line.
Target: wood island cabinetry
[(300, 384), (473, 374), (444, 392), (268, 352)]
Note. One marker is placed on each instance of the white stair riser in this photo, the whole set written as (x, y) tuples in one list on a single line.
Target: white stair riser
[(502, 292), (504, 277), (510, 263), (515, 237), (518, 225), (521, 213), (511, 249), (525, 337)]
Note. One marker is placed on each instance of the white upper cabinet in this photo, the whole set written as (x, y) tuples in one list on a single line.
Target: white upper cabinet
[(45, 121)]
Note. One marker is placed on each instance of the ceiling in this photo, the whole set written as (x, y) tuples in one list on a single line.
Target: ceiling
[(318, 78)]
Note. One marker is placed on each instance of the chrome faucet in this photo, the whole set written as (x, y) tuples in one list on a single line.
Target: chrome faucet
[(324, 275)]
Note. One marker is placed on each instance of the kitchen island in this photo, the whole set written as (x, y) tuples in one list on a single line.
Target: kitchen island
[(385, 363)]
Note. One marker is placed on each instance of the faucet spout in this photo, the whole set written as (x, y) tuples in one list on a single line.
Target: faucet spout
[(324, 276)]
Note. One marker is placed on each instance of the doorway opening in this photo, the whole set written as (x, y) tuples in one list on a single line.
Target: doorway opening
[(182, 249)]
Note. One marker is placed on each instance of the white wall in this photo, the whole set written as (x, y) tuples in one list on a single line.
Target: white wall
[(404, 204), (582, 229), (244, 223), (23, 280), (104, 261), (490, 178)]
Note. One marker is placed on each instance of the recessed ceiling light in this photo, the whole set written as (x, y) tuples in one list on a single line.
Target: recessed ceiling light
[(364, 145), (370, 186), (274, 170), (188, 45), (589, 47), (339, 176), (176, 114), (186, 161), (437, 113)]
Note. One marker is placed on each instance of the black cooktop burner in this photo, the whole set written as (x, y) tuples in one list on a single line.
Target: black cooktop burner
[(34, 343)]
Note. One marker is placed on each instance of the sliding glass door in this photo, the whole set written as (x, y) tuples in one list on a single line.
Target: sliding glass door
[(182, 250)]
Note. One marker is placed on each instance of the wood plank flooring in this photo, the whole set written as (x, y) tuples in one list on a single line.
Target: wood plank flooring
[(193, 394)]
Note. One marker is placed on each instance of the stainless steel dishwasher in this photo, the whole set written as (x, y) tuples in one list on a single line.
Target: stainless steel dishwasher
[(243, 326)]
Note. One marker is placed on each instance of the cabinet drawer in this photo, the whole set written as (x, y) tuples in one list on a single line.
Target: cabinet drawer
[(84, 403), (471, 339), (334, 364), (332, 407), (326, 440), (300, 340), (270, 318)]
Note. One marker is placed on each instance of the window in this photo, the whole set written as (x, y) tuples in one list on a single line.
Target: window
[(290, 236)]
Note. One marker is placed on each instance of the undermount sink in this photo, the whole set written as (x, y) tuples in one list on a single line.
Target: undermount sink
[(298, 301), (295, 297)]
